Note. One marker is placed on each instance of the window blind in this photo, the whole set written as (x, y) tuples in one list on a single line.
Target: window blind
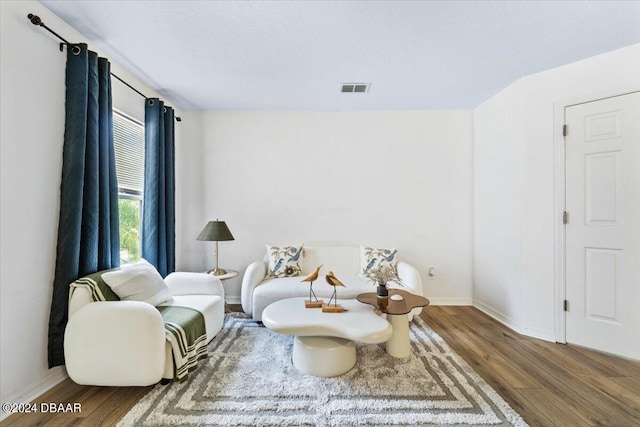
[(128, 139)]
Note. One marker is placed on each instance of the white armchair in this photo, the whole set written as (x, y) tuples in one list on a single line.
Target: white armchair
[(123, 343)]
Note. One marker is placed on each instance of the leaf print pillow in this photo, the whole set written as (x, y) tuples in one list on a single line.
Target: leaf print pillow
[(373, 259), (284, 261)]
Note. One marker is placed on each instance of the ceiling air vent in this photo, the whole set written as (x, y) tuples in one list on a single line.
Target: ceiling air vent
[(355, 88)]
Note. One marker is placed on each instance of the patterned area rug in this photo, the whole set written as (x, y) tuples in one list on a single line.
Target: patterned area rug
[(248, 380)]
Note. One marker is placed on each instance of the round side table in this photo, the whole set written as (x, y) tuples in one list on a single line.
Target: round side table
[(230, 274), (399, 344)]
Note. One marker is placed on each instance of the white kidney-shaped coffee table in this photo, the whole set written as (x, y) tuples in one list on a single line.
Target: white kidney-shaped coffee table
[(324, 342)]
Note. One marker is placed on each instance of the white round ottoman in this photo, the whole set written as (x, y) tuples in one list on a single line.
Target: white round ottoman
[(323, 356)]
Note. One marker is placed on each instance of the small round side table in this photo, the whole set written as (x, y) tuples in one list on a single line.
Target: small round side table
[(399, 344), (230, 274)]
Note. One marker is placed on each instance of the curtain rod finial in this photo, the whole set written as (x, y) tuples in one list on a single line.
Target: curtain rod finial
[(35, 19)]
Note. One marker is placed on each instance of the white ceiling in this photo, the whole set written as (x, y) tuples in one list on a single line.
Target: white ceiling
[(291, 55)]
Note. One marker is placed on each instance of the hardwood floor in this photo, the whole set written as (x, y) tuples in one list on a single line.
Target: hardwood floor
[(548, 384)]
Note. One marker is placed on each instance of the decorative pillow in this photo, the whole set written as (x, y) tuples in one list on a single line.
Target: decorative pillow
[(372, 259), (284, 261), (138, 282)]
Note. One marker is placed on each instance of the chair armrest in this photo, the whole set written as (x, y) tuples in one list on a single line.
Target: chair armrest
[(115, 343), (183, 283), (253, 275)]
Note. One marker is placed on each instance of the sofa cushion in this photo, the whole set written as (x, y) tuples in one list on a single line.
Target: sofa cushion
[(373, 259), (284, 261), (138, 282)]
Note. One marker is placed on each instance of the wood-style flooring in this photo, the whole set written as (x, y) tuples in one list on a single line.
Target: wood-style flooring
[(548, 384)]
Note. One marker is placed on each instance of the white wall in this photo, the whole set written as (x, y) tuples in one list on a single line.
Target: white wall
[(400, 179), (498, 199), (31, 133), (31, 129), (520, 121), (190, 218)]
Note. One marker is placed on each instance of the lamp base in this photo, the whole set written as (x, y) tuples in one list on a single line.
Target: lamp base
[(217, 272)]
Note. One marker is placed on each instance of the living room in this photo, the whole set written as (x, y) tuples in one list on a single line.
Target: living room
[(467, 195)]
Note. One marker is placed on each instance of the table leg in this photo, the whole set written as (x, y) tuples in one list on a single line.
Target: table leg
[(399, 345)]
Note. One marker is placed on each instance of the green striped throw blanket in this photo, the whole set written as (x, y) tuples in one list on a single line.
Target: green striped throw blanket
[(184, 327), (187, 335)]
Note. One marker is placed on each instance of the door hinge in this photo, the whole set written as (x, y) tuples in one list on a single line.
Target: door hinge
[(566, 305), (565, 217), (565, 130)]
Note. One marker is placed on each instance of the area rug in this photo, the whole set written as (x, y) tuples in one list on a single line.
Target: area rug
[(248, 380)]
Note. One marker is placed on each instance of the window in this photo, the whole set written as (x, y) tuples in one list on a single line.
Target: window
[(128, 139)]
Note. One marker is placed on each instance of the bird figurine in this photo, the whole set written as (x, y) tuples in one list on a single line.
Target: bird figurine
[(312, 278), (333, 281)]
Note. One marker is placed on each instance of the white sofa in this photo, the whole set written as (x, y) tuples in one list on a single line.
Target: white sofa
[(123, 343), (258, 290)]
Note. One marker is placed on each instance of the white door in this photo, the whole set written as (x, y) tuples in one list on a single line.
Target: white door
[(603, 231)]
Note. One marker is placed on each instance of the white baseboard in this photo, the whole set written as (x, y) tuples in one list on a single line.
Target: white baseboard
[(230, 299), (449, 301), (537, 333), (55, 377), (498, 315), (511, 324)]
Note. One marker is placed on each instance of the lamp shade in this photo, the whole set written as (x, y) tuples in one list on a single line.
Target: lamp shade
[(215, 231)]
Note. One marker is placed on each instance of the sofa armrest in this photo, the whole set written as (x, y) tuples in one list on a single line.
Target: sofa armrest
[(115, 343), (182, 283), (410, 277), (253, 275), (78, 298), (412, 282)]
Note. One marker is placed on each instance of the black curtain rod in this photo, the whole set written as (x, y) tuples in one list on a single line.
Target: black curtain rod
[(35, 20)]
